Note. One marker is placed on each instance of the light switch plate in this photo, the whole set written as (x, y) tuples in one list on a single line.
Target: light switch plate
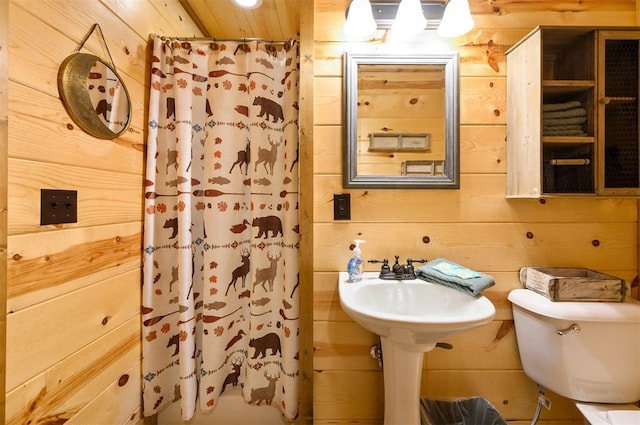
[(58, 206), (342, 206)]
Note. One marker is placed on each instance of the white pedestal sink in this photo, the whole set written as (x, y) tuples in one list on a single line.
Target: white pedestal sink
[(410, 316)]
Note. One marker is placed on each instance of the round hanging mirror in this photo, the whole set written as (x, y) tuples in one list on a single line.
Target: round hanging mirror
[(94, 95)]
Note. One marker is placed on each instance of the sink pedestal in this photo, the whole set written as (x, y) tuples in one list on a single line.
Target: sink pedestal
[(402, 372)]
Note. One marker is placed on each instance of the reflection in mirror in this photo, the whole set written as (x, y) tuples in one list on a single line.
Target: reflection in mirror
[(108, 97), (94, 96), (401, 120)]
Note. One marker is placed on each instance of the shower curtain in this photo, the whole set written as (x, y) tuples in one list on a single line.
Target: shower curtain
[(221, 235)]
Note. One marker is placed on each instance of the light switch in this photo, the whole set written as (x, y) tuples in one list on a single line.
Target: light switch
[(58, 206)]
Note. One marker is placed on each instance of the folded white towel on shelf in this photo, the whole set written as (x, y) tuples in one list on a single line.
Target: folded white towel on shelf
[(549, 107), (563, 121), (575, 112)]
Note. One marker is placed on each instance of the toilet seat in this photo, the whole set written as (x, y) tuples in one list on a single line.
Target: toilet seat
[(598, 414)]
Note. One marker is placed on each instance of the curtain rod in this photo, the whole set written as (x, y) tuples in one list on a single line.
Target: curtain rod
[(244, 39)]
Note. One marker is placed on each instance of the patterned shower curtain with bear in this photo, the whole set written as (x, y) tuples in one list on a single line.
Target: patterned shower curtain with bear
[(220, 288)]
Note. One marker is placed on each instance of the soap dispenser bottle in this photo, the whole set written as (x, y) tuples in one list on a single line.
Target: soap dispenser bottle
[(355, 266)]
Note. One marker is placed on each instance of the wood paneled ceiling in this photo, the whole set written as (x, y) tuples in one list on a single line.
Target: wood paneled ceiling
[(273, 20)]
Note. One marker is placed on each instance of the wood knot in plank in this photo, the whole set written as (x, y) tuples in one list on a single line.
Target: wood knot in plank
[(122, 381), (505, 328)]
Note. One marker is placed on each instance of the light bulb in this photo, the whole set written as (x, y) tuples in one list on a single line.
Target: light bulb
[(248, 4), (456, 20), (360, 22), (409, 20)]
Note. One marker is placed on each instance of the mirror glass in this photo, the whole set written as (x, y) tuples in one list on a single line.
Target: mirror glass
[(94, 95), (401, 120)]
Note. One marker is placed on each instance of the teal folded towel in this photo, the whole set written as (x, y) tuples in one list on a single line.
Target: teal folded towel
[(452, 275)]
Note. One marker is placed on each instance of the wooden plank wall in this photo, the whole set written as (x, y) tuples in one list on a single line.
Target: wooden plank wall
[(4, 96), (73, 291), (475, 225), (307, 23)]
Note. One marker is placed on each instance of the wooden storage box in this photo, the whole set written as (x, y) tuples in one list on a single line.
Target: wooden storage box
[(564, 284)]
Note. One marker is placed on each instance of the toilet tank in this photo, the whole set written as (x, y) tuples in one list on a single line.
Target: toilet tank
[(598, 363)]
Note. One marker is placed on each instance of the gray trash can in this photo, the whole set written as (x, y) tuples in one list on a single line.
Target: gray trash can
[(466, 411)]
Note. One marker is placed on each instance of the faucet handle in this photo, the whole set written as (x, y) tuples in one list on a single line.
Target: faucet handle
[(379, 261), (410, 261), (422, 260), (385, 269), (410, 268), (411, 271)]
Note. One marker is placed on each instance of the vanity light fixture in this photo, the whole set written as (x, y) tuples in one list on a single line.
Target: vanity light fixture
[(409, 20), (248, 4), (360, 21), (457, 19), (408, 17)]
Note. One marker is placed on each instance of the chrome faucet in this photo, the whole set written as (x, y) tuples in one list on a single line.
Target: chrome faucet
[(397, 271)]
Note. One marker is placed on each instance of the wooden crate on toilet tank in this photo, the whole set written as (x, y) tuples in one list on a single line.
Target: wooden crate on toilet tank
[(573, 284)]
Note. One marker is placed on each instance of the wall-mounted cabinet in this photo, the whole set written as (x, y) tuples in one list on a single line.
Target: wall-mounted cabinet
[(572, 105)]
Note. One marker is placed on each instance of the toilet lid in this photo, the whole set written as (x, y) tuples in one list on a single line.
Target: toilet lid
[(610, 414)]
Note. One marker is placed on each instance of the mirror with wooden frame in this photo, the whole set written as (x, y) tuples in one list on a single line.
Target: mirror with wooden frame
[(401, 119), (94, 95)]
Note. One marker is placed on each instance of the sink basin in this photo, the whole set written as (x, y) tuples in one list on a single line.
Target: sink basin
[(415, 313), (410, 316)]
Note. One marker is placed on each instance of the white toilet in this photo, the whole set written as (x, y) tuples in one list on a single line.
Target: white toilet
[(586, 351)]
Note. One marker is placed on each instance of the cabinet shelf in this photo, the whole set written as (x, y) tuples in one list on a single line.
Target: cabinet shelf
[(566, 86), (568, 139)]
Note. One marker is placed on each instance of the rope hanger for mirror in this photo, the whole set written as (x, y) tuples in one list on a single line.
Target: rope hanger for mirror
[(94, 28)]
